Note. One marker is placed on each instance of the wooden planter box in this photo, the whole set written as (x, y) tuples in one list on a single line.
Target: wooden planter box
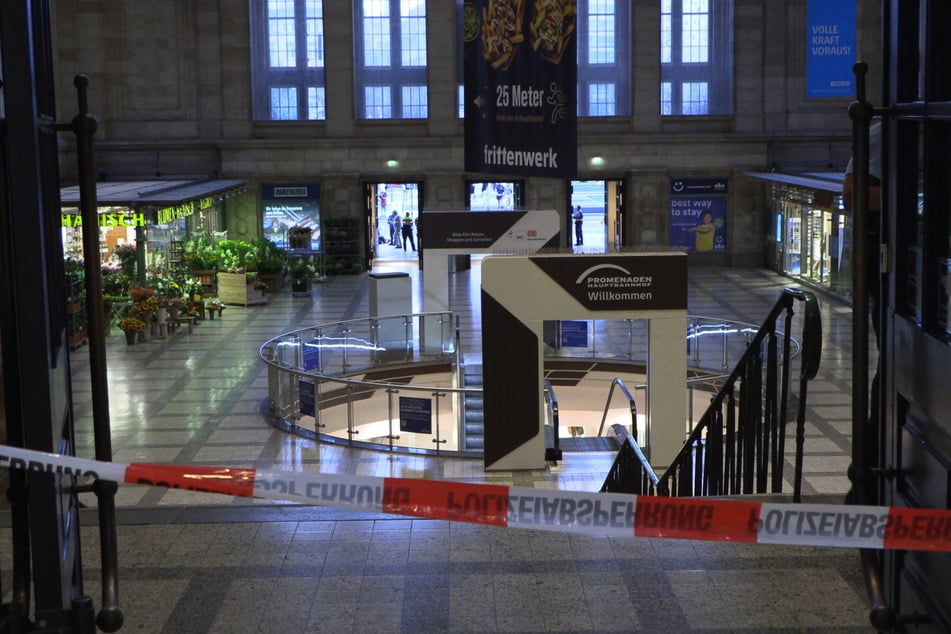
[(274, 281), (234, 288)]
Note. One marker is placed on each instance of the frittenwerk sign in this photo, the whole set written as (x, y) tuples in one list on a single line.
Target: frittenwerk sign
[(830, 48), (521, 76)]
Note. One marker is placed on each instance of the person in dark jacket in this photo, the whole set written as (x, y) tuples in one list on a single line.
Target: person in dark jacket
[(408, 232)]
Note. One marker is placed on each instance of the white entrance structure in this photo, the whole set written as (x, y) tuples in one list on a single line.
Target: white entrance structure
[(520, 293), (448, 233)]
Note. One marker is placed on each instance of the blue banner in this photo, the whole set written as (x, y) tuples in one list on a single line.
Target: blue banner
[(416, 415), (698, 214), (830, 48), (521, 76)]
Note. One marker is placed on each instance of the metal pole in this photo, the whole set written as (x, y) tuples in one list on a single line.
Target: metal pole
[(861, 114)]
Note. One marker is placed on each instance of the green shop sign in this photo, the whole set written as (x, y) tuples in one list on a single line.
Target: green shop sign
[(107, 220), (167, 215)]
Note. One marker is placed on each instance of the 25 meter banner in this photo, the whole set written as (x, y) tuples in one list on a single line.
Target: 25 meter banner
[(521, 76)]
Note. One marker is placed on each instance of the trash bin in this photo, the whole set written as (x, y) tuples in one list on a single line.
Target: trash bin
[(391, 298)]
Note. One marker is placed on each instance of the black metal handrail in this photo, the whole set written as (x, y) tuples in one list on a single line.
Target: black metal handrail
[(737, 446), (631, 472), (553, 453)]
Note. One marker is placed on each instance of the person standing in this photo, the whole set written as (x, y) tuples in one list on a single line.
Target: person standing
[(578, 217), (408, 232), (394, 222)]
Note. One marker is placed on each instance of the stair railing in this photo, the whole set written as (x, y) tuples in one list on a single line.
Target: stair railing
[(737, 447), (631, 471), (618, 384), (553, 453)]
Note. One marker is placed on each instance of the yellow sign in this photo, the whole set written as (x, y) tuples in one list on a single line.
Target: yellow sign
[(170, 214), (107, 220)]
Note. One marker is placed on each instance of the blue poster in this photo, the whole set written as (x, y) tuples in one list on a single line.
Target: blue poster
[(574, 334), (830, 48), (698, 214), (416, 415)]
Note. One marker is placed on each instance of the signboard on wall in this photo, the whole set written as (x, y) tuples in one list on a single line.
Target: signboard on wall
[(698, 214), (290, 205), (830, 48), (520, 84)]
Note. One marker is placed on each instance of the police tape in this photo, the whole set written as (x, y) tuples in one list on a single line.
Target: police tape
[(602, 514)]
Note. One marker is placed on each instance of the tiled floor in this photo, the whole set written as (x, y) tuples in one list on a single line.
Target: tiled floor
[(193, 562)]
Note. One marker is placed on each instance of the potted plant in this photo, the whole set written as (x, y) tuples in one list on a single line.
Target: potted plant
[(303, 271), (271, 262), (131, 326)]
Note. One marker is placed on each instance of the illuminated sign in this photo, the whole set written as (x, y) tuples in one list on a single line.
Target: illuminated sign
[(168, 215), (107, 220)]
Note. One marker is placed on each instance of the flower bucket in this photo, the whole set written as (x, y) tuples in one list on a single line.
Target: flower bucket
[(130, 337)]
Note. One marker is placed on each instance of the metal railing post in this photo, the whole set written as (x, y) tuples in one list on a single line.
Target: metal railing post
[(437, 440), (389, 397)]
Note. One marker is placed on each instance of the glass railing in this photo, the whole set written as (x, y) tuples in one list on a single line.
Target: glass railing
[(393, 382)]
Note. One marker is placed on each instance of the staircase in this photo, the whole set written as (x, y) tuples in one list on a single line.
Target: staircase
[(738, 447), (473, 410)]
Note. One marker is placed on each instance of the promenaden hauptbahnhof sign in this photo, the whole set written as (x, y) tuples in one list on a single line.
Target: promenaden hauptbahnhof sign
[(521, 76)]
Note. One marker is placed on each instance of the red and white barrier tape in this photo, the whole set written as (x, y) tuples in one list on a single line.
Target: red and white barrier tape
[(606, 514)]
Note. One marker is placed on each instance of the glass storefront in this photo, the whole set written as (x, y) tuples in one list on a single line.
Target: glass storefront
[(810, 233)]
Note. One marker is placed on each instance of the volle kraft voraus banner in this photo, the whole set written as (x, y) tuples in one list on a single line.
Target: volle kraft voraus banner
[(602, 514), (521, 76)]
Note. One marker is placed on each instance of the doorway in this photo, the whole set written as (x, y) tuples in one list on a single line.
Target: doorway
[(602, 211), (384, 231)]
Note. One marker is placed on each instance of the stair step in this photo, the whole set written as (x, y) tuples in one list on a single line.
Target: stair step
[(474, 428), (475, 417)]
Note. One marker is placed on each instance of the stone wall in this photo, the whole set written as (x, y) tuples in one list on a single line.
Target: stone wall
[(170, 84)]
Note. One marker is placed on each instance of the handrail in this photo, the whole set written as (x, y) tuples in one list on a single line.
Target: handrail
[(341, 366), (619, 382), (631, 471), (553, 453), (724, 456)]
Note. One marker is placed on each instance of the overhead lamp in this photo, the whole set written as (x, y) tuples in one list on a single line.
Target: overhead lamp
[(392, 164), (597, 161)]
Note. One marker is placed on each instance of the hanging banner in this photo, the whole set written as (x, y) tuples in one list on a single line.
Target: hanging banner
[(698, 214), (521, 76), (830, 48)]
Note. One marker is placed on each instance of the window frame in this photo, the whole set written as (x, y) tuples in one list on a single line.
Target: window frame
[(301, 78), (395, 76), (716, 73), (617, 73)]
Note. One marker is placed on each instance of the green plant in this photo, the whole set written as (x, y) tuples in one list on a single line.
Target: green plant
[(126, 254), (303, 270), (200, 254), (190, 286), (235, 255), (271, 258)]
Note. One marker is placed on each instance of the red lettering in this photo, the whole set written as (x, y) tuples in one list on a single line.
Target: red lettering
[(476, 503)]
